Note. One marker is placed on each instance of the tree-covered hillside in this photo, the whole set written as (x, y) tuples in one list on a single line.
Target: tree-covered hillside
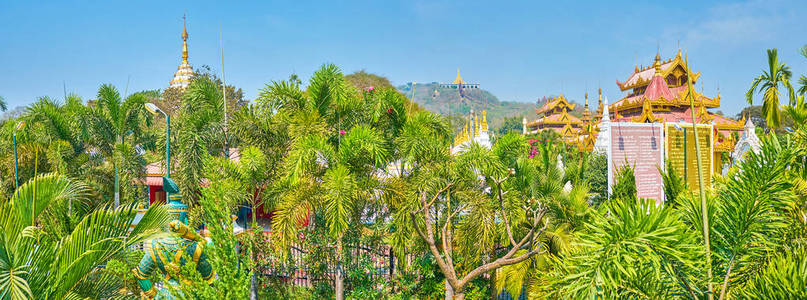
[(446, 101)]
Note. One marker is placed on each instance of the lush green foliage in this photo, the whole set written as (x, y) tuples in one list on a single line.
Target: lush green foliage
[(348, 173), (57, 262)]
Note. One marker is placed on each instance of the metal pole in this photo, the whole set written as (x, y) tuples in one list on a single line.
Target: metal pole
[(167, 145), (16, 170), (167, 150)]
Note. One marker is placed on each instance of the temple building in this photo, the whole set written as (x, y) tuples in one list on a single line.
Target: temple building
[(555, 115), (459, 83), (184, 73), (658, 94), (475, 130)]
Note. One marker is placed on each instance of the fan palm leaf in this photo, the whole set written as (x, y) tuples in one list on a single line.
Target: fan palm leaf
[(37, 264)]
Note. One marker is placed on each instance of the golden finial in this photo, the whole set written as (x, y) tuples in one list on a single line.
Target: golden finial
[(599, 95), (485, 120), (586, 97), (657, 63), (184, 40), (476, 126)]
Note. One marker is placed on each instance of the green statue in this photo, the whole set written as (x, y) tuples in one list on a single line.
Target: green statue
[(166, 254)]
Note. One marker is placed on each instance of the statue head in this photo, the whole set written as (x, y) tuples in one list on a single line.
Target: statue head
[(177, 209)]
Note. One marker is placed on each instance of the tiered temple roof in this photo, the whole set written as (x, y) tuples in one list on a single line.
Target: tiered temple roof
[(184, 73), (555, 115), (659, 94)]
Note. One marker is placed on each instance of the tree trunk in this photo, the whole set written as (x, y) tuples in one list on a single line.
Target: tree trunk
[(253, 289), (339, 281), (492, 285), (117, 188), (459, 296), (449, 291)]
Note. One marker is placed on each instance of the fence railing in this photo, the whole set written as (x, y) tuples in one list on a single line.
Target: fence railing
[(381, 265)]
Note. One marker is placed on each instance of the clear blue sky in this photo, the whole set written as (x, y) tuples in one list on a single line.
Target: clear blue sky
[(518, 50)]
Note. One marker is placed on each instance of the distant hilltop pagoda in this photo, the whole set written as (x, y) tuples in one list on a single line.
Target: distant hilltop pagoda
[(459, 83), (474, 131), (184, 73), (657, 94)]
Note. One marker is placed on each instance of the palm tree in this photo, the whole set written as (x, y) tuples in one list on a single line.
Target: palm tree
[(3, 104), (750, 211), (199, 133), (797, 112), (770, 80), (41, 262), (633, 249), (340, 140), (117, 128)]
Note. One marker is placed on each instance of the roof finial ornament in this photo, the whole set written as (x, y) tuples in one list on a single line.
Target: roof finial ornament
[(184, 39), (586, 96), (657, 63)]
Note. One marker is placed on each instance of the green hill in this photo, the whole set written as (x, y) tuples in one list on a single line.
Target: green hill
[(446, 101)]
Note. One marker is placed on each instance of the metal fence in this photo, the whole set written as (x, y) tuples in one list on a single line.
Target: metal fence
[(297, 272)]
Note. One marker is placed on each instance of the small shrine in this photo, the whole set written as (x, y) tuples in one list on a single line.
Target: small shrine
[(748, 142), (475, 130)]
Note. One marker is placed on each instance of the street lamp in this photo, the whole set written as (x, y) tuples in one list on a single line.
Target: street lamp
[(679, 128), (168, 185), (20, 126), (153, 109)]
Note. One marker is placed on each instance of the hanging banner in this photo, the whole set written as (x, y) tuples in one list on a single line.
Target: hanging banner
[(639, 146), (682, 154)]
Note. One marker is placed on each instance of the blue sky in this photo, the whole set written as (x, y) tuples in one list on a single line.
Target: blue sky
[(520, 51)]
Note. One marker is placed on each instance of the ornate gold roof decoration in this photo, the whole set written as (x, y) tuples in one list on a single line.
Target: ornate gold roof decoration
[(647, 114), (677, 61)]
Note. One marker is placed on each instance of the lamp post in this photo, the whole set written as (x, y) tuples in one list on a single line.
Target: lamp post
[(679, 128), (153, 109), (19, 126)]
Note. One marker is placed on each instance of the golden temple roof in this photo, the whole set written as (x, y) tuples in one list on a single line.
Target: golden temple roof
[(642, 76)]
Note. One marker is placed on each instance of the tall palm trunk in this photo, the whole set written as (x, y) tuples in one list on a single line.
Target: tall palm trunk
[(117, 177), (117, 187), (340, 280)]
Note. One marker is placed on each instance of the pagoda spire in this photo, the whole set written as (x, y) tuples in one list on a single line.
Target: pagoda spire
[(184, 40), (484, 121), (184, 73), (599, 95), (586, 103), (458, 80)]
